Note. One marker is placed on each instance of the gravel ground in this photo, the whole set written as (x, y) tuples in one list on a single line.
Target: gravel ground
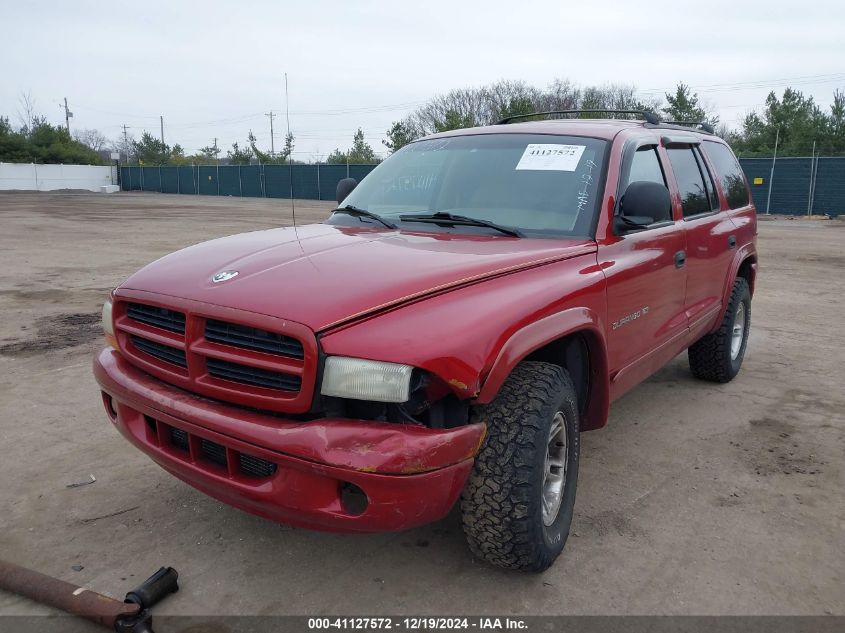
[(696, 498)]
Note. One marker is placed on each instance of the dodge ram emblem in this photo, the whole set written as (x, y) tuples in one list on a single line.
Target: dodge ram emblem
[(226, 275)]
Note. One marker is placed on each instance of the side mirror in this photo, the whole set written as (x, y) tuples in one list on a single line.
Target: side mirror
[(344, 188), (643, 203)]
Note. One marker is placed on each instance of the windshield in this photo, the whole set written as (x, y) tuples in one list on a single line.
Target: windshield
[(543, 185)]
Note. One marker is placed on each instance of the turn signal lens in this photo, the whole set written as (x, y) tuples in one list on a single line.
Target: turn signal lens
[(108, 325)]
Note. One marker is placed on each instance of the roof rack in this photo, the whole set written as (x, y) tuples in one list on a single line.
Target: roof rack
[(704, 125), (649, 117)]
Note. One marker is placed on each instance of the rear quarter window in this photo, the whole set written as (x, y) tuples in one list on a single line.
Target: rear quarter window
[(729, 173), (695, 195)]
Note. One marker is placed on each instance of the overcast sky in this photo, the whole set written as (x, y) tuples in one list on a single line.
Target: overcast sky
[(212, 69)]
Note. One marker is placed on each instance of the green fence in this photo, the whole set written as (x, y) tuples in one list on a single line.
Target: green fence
[(310, 182), (799, 183)]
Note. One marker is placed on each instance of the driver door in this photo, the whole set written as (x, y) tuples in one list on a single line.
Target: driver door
[(646, 284)]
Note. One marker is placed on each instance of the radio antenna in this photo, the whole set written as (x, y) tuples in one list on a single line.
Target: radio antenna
[(289, 148)]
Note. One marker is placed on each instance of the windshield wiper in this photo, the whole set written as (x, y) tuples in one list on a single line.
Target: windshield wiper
[(444, 217), (363, 213)]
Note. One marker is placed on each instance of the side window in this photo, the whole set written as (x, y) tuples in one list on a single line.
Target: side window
[(694, 194), (729, 173), (712, 196), (645, 166)]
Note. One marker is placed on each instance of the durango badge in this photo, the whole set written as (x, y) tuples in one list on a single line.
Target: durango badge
[(225, 275)]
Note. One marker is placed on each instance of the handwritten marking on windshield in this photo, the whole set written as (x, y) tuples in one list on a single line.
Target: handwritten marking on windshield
[(586, 181)]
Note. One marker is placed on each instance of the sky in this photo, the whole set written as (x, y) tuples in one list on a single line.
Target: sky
[(214, 69)]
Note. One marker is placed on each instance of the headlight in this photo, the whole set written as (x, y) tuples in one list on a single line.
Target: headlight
[(108, 325), (361, 379)]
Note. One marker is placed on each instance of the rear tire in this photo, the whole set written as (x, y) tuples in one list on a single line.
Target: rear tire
[(518, 503), (717, 357)]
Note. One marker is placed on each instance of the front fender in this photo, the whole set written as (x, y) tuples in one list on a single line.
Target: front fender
[(579, 320), (472, 337)]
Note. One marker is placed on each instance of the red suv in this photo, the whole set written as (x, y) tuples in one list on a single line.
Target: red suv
[(472, 305)]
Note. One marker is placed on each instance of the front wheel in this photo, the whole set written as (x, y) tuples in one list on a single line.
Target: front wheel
[(717, 357), (518, 503)]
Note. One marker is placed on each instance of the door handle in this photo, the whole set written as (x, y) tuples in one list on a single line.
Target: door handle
[(732, 242), (680, 259)]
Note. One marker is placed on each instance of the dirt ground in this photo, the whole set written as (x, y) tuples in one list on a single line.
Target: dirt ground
[(696, 499)]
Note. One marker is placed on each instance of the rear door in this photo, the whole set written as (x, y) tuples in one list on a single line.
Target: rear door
[(710, 234), (645, 283), (729, 174)]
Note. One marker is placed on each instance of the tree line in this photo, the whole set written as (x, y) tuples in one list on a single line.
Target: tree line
[(794, 121), (40, 142)]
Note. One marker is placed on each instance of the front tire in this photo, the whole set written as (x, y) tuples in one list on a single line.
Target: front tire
[(717, 357), (518, 503)]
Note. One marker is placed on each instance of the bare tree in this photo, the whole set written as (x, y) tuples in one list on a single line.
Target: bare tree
[(467, 107), (124, 145), (26, 109), (92, 138), (561, 94), (507, 98), (616, 97)]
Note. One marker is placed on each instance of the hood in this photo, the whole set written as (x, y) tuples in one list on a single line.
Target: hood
[(322, 275)]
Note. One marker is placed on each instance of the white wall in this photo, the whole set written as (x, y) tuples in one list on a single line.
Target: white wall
[(29, 177)]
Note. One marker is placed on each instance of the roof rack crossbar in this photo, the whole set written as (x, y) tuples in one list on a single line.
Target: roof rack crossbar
[(704, 125), (649, 117)]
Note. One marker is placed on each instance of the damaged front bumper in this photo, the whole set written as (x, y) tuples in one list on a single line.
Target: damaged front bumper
[(330, 474)]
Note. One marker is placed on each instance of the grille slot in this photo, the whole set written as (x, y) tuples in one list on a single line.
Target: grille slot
[(256, 466), (163, 318), (213, 452), (162, 352), (253, 339), (252, 375), (179, 438)]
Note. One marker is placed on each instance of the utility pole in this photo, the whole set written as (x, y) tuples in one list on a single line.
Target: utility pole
[(812, 181), (290, 164), (161, 119), (216, 151), (68, 115), (125, 143), (287, 117), (272, 143)]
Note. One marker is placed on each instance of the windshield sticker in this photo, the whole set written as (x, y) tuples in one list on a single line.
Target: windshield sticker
[(550, 157)]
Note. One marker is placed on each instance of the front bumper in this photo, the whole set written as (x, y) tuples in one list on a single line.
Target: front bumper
[(410, 475)]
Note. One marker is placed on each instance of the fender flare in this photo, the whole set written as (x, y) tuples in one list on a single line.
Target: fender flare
[(742, 255), (547, 330)]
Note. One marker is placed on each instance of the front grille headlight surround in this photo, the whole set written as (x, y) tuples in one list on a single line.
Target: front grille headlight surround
[(361, 379)]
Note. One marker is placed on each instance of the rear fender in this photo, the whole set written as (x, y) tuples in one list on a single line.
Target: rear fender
[(745, 254)]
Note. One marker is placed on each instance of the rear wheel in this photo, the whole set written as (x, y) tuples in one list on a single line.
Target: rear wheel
[(518, 503), (717, 357)]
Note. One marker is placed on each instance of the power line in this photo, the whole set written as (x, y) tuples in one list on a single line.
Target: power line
[(754, 84)]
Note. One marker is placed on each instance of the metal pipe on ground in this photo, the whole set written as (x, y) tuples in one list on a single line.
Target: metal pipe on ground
[(129, 615)]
